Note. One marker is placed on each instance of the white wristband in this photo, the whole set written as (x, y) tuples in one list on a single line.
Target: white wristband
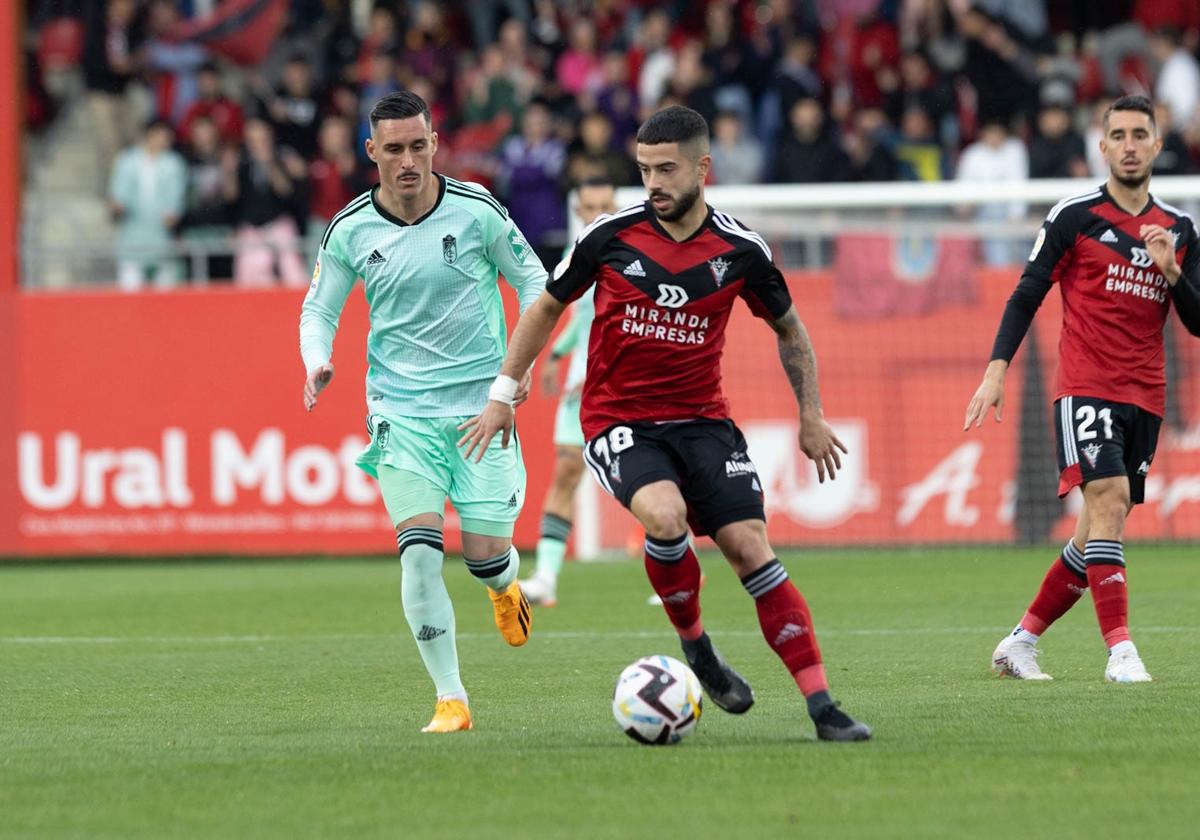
[(504, 390)]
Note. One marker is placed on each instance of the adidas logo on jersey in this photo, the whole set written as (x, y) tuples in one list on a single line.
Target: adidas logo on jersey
[(634, 269), (790, 631), (428, 634), (1108, 236), (376, 258), (512, 501)]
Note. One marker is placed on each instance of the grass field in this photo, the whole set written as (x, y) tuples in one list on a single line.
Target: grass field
[(284, 698)]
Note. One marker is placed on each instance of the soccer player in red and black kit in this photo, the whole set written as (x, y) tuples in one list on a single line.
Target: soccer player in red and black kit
[(667, 274), (1120, 258)]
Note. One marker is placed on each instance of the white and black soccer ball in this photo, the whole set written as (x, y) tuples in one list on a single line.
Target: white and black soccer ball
[(657, 700)]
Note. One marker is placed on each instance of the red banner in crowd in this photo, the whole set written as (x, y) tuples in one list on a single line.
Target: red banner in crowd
[(172, 423), (241, 30)]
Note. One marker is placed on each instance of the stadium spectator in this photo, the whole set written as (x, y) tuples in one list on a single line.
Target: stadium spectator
[(617, 99), (578, 69), (491, 92), (811, 152), (380, 81), (691, 84), (1002, 71), (996, 156), (381, 38), (171, 64), (1174, 157), (874, 48), (919, 157), (294, 108), (300, 35), (484, 16), (428, 50), (595, 158), (865, 146), (337, 174), (651, 60), (1178, 81), (725, 58), (1056, 149), (916, 83), (737, 157), (545, 32), (266, 188), (109, 64), (212, 103), (531, 166), (146, 197), (205, 228), (795, 79), (519, 65)]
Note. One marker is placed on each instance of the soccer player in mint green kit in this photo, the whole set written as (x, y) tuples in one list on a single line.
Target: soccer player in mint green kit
[(593, 198), (428, 249)]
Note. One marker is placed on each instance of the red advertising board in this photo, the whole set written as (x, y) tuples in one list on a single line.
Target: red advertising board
[(172, 423)]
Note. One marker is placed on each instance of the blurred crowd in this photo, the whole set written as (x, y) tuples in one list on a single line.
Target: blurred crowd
[(531, 97)]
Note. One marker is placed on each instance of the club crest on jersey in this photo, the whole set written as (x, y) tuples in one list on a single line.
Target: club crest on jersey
[(718, 267), (382, 433), (1091, 452), (614, 469), (449, 248)]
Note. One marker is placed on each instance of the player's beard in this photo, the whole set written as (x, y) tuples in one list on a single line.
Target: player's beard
[(683, 204), (1133, 182)]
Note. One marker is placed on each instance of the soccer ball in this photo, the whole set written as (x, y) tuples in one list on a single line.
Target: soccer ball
[(657, 700)]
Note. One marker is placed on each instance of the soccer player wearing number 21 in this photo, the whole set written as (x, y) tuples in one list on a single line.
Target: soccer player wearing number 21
[(667, 273), (428, 249), (1120, 258)]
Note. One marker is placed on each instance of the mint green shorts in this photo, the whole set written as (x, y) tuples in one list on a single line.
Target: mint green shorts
[(567, 428), (419, 465)]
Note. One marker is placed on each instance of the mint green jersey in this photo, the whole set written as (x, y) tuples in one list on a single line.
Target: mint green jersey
[(438, 332)]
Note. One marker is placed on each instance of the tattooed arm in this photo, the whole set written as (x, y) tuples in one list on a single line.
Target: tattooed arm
[(817, 439)]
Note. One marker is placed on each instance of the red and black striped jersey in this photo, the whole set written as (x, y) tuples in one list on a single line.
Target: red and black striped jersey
[(1115, 300), (654, 353)]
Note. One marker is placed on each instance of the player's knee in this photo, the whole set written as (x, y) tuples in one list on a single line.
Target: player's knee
[(1108, 498), (665, 521), (745, 547)]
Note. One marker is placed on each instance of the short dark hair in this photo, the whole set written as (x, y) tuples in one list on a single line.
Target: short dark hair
[(400, 106), (674, 124), (1132, 103), (157, 123)]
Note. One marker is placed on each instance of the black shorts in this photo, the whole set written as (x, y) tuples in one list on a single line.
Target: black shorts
[(706, 459), (1098, 438)]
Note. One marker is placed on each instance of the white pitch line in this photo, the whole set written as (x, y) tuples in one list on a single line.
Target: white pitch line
[(549, 634)]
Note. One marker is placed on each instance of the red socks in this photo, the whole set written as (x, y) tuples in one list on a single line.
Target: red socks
[(787, 625), (1064, 584), (1106, 577), (674, 573)]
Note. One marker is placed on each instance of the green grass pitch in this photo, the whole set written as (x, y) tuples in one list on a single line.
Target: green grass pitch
[(284, 699)]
